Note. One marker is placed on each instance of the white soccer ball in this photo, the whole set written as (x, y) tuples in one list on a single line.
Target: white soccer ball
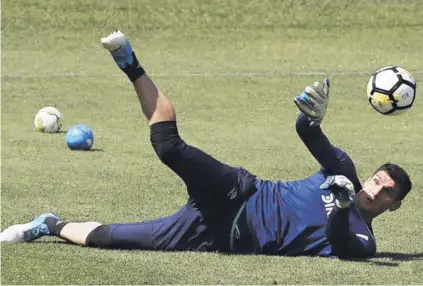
[(48, 120), (391, 90)]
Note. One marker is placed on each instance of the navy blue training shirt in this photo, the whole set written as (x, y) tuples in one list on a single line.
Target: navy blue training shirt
[(299, 218)]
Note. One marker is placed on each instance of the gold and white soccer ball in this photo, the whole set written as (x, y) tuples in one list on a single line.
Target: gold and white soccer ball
[(48, 120), (391, 90)]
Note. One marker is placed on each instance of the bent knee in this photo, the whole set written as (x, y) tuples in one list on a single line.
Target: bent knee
[(166, 141), (101, 236)]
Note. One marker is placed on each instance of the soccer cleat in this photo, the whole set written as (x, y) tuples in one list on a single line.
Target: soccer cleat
[(27, 232), (120, 48)]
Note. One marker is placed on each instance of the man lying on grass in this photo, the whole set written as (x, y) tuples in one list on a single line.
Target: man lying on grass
[(231, 210)]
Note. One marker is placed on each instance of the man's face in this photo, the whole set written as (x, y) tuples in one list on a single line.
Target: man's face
[(378, 195)]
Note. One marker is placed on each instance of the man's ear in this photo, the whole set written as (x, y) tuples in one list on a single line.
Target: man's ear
[(395, 206)]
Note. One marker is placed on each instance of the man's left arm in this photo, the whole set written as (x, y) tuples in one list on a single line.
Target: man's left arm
[(347, 232), (349, 236)]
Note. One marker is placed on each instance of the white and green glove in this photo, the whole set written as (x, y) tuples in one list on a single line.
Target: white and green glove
[(314, 100), (342, 188)]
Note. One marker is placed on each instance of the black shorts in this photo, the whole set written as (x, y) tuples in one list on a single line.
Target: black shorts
[(216, 193)]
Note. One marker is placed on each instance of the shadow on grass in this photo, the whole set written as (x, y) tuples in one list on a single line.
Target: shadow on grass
[(91, 150), (396, 258), (62, 242)]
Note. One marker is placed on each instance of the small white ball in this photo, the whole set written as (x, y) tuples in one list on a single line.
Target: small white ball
[(48, 120)]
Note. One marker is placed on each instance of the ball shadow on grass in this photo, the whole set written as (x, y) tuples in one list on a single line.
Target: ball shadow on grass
[(90, 150)]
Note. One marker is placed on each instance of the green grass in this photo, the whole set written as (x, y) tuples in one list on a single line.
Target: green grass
[(200, 53)]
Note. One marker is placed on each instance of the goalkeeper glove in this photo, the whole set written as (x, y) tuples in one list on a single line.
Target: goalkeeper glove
[(314, 100), (342, 188)]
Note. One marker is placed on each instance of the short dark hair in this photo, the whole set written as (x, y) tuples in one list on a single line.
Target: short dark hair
[(400, 177)]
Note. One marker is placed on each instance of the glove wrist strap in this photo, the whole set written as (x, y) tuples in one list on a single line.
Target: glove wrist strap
[(343, 204)]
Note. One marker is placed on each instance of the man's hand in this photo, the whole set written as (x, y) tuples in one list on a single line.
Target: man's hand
[(314, 100), (342, 188)]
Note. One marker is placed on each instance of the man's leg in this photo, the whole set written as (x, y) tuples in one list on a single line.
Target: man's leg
[(184, 230), (207, 179), (77, 233), (155, 106), (48, 224)]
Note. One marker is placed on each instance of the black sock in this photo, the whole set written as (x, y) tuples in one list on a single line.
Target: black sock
[(54, 225), (135, 70)]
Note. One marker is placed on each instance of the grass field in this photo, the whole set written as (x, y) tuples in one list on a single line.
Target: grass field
[(231, 68)]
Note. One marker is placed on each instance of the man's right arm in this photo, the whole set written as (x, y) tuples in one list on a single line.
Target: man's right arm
[(333, 160), (318, 144), (312, 103)]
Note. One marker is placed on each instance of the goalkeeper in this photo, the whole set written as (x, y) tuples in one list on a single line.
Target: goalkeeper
[(231, 210)]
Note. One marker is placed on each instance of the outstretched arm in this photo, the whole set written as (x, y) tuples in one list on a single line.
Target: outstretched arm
[(319, 145), (312, 104)]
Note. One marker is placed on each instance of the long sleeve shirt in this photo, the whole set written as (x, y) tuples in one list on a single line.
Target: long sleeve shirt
[(298, 218)]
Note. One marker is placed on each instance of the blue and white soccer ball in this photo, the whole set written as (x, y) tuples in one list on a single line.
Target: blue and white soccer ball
[(79, 137)]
